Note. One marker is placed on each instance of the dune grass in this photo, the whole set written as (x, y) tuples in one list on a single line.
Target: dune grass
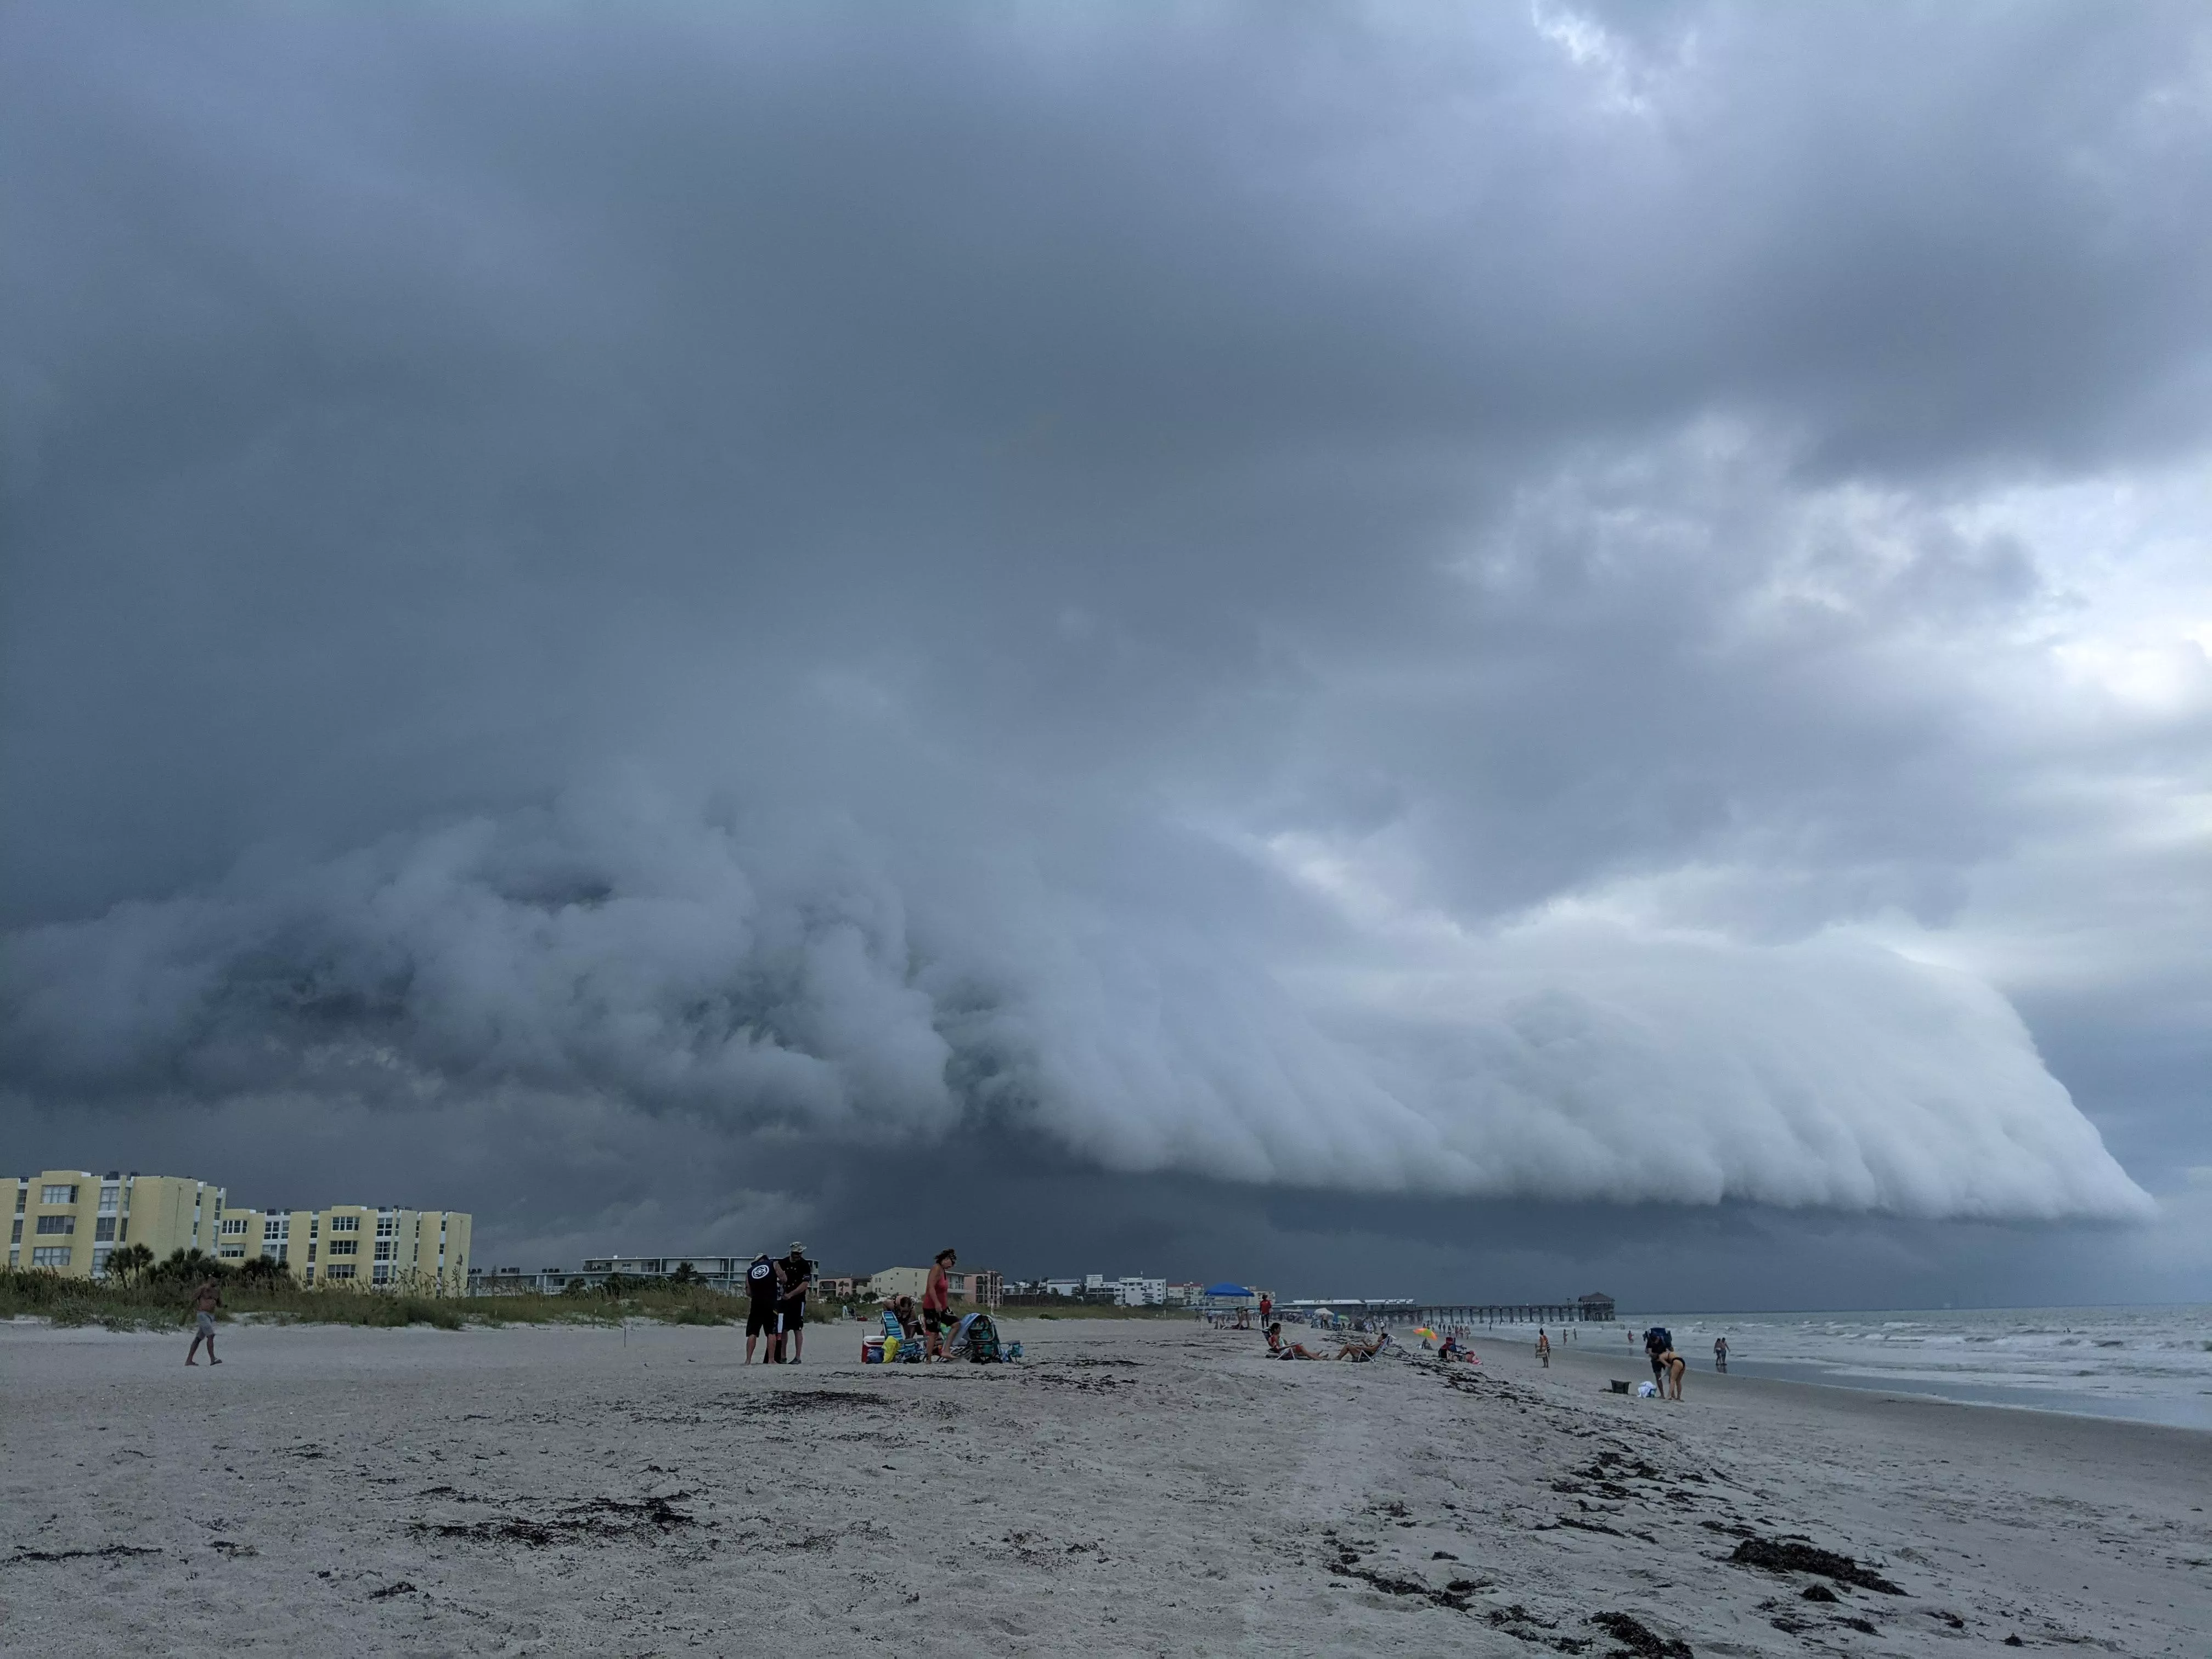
[(164, 1304)]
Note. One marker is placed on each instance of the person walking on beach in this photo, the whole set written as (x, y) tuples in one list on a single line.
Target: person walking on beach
[(760, 1312), (1543, 1347), (797, 1274), (936, 1304), (205, 1301), (1720, 1355), (1266, 1307)]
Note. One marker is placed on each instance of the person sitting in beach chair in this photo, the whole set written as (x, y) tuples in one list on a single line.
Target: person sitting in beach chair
[(1278, 1349), (1356, 1349), (901, 1325)]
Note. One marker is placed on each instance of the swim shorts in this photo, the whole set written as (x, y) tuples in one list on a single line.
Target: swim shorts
[(207, 1324), (937, 1319), (761, 1320), (794, 1316)]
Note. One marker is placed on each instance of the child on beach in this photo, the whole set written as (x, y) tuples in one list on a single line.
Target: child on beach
[(205, 1301)]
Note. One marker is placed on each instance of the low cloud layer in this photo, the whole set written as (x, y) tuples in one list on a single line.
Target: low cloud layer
[(782, 982), (1600, 606)]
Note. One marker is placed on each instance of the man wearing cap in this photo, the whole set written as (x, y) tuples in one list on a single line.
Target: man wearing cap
[(798, 1276)]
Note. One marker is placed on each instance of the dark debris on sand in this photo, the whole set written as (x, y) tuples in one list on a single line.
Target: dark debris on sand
[(1637, 1641), (106, 1552), (1781, 1555), (596, 1520)]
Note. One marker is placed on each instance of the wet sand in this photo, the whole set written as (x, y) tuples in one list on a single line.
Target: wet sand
[(1133, 1488)]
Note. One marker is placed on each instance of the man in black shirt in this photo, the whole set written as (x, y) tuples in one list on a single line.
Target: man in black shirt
[(797, 1273), (761, 1285)]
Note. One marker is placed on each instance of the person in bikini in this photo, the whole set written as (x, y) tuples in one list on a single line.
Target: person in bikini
[(205, 1301)]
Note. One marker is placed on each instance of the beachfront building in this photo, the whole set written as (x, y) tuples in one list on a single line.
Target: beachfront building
[(354, 1246), (70, 1221), (1130, 1291)]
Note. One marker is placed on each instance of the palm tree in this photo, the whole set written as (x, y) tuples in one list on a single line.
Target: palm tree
[(127, 1263)]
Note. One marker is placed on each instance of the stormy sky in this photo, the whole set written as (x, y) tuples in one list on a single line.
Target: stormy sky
[(1398, 649)]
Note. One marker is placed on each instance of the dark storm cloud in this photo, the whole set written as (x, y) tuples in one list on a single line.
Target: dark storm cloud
[(1309, 600)]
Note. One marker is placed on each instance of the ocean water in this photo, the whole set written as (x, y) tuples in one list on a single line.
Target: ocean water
[(2151, 1364)]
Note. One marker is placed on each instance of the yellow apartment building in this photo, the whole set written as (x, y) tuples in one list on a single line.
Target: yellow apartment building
[(355, 1244), (69, 1220)]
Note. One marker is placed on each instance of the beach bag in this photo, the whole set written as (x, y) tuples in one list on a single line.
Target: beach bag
[(983, 1341)]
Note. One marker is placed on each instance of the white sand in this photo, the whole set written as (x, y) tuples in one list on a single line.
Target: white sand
[(1134, 1488)]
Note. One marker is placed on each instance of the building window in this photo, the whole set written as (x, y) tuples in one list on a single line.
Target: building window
[(384, 1249), (17, 1238), (58, 1195), (311, 1274), (387, 1226), (345, 1224), (54, 1255), (234, 1225), (230, 1254), (383, 1274), (340, 1270), (311, 1252), (103, 1228), (51, 1225), (107, 1196), (344, 1246)]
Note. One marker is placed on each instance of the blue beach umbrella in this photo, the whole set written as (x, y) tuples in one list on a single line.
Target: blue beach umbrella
[(1227, 1289)]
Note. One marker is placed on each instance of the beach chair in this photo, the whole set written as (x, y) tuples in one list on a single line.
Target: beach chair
[(911, 1348)]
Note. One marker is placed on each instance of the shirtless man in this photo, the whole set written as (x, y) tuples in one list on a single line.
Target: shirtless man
[(205, 1301), (1543, 1347)]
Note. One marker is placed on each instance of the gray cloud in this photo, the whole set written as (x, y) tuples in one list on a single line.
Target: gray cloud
[(1293, 601)]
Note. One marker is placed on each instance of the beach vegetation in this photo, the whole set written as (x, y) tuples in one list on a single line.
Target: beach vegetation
[(156, 1296)]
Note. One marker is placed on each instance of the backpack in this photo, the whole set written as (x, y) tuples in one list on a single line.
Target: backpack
[(983, 1341)]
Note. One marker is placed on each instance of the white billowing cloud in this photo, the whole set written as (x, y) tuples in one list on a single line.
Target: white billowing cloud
[(680, 962)]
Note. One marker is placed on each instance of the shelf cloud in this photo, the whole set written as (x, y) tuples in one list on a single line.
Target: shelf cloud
[(1589, 605)]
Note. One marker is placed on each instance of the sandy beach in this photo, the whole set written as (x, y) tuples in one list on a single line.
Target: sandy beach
[(1135, 1488)]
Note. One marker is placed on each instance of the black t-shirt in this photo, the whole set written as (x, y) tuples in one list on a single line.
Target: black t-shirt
[(795, 1276), (760, 1280), (1657, 1341)]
